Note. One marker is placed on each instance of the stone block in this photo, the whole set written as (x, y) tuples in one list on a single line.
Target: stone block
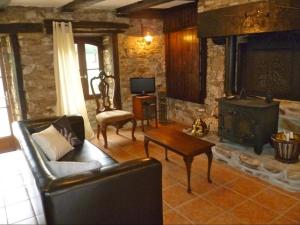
[(224, 152), (293, 175), (274, 166), (249, 161)]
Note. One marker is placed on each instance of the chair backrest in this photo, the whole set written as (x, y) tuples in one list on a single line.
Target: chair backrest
[(102, 88)]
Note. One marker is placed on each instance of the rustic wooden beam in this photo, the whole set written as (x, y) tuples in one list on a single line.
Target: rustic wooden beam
[(79, 4), (4, 4), (21, 28), (146, 14), (88, 25), (257, 17), (97, 31), (141, 5), (19, 74)]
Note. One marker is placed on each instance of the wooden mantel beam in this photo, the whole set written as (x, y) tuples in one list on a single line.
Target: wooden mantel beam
[(89, 26), (79, 4), (4, 4), (141, 5), (250, 18)]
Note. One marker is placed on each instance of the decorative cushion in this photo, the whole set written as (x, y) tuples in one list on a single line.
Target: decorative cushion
[(113, 116), (64, 127), (52, 143), (64, 168)]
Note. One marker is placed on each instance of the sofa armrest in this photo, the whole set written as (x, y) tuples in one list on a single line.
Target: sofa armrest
[(128, 193)]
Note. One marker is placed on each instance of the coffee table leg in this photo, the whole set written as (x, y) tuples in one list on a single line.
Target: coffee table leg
[(146, 142), (209, 157), (188, 162), (166, 154)]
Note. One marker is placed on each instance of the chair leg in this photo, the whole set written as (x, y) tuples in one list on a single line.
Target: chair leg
[(103, 131), (133, 129), (117, 130), (143, 129), (98, 131)]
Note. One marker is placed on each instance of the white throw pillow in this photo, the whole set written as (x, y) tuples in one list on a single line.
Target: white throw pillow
[(64, 168), (53, 144)]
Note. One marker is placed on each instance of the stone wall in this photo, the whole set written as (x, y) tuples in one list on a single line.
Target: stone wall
[(140, 59), (136, 58), (38, 74), (108, 55), (36, 51), (181, 110)]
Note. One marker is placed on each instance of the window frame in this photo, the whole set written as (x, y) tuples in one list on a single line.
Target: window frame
[(81, 41)]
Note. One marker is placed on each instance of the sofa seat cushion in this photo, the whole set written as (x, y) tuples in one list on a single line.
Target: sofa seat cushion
[(88, 152), (113, 116)]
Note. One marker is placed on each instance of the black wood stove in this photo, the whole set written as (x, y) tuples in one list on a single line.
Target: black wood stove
[(248, 121)]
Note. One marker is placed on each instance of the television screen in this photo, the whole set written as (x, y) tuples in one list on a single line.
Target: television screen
[(142, 85)]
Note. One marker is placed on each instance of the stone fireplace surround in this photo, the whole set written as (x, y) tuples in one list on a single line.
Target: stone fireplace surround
[(181, 110), (265, 166)]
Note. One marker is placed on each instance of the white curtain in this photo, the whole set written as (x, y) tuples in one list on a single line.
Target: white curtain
[(69, 93)]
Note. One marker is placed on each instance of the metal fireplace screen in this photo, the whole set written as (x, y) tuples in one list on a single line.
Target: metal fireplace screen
[(270, 64)]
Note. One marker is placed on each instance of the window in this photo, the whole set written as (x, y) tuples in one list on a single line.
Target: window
[(90, 61)]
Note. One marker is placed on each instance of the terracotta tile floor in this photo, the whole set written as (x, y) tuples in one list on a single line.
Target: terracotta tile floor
[(232, 198)]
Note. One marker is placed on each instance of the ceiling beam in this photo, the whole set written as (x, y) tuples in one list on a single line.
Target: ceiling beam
[(79, 4), (141, 5), (90, 26), (4, 4), (146, 14), (21, 28)]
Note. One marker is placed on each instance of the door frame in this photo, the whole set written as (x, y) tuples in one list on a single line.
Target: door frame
[(7, 143)]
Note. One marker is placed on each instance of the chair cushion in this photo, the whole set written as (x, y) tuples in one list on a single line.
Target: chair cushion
[(113, 116)]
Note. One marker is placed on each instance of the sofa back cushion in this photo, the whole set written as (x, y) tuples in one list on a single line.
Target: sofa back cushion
[(76, 123), (62, 169), (64, 127)]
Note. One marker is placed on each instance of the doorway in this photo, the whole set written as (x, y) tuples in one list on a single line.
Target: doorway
[(7, 141)]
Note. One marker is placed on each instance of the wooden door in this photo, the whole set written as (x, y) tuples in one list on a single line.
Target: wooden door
[(7, 141), (183, 70)]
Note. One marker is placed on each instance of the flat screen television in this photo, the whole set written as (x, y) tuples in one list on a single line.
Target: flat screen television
[(142, 86)]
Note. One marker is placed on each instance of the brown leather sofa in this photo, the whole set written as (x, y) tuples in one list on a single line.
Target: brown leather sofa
[(118, 193)]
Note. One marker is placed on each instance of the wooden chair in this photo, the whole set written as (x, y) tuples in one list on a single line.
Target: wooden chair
[(106, 114)]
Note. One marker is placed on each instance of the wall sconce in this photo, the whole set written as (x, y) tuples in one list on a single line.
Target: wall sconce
[(147, 38)]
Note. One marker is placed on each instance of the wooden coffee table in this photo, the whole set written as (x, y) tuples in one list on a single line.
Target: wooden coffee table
[(182, 144)]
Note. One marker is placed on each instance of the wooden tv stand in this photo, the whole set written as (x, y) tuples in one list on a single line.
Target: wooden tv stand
[(145, 108)]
